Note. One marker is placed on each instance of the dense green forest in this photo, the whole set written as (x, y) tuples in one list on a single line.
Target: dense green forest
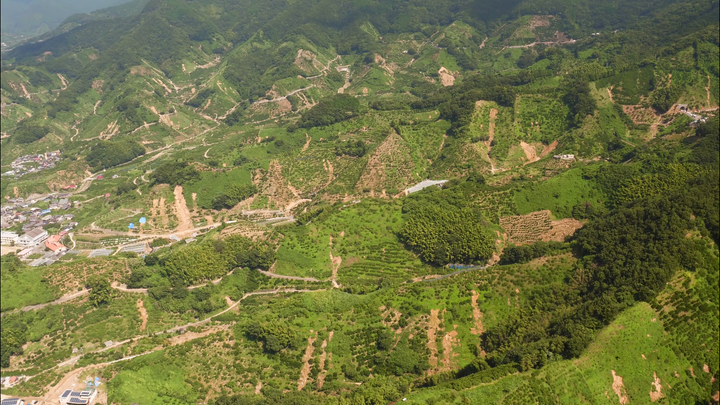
[(112, 153)]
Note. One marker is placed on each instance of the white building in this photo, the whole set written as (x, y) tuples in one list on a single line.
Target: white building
[(25, 252), (33, 237), (8, 238)]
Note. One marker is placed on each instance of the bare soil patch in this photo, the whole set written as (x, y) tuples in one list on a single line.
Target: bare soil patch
[(322, 359), (619, 388), (446, 77), (656, 389), (188, 336), (143, 314), (478, 329), (537, 226), (304, 60), (449, 341), (305, 371), (181, 210), (530, 153), (549, 148), (432, 344), (335, 261)]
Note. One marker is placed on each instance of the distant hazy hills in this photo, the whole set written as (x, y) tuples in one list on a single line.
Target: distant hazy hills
[(29, 18)]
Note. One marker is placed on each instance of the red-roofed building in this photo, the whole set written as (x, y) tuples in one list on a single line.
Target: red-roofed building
[(53, 243)]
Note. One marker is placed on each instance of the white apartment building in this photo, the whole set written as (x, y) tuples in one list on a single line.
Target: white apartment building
[(32, 237), (8, 238)]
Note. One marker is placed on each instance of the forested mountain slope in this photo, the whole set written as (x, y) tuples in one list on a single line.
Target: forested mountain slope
[(242, 182)]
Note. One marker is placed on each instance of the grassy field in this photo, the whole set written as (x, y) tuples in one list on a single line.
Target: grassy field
[(213, 184), (25, 287), (558, 194)]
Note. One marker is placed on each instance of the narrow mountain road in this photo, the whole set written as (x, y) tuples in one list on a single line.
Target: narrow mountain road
[(58, 388), (61, 300), (273, 275), (285, 96)]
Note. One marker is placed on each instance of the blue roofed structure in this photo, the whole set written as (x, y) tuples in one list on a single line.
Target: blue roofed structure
[(70, 397)]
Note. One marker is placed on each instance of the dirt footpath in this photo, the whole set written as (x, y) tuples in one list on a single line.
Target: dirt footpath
[(478, 329), (143, 313), (182, 211)]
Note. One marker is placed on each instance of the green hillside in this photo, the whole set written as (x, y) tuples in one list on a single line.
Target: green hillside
[(247, 220)]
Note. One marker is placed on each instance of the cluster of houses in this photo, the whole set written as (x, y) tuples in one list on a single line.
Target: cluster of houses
[(564, 157), (33, 163), (20, 211), (35, 239)]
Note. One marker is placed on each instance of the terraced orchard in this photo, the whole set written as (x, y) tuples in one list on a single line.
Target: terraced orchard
[(342, 202)]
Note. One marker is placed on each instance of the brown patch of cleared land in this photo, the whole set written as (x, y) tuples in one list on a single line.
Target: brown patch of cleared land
[(530, 153), (188, 336), (656, 390), (181, 210), (538, 226), (449, 341), (433, 324), (305, 371), (323, 357), (446, 77), (641, 115), (619, 388), (143, 313), (478, 329)]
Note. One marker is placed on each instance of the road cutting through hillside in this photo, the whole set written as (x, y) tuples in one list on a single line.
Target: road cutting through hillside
[(56, 390)]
